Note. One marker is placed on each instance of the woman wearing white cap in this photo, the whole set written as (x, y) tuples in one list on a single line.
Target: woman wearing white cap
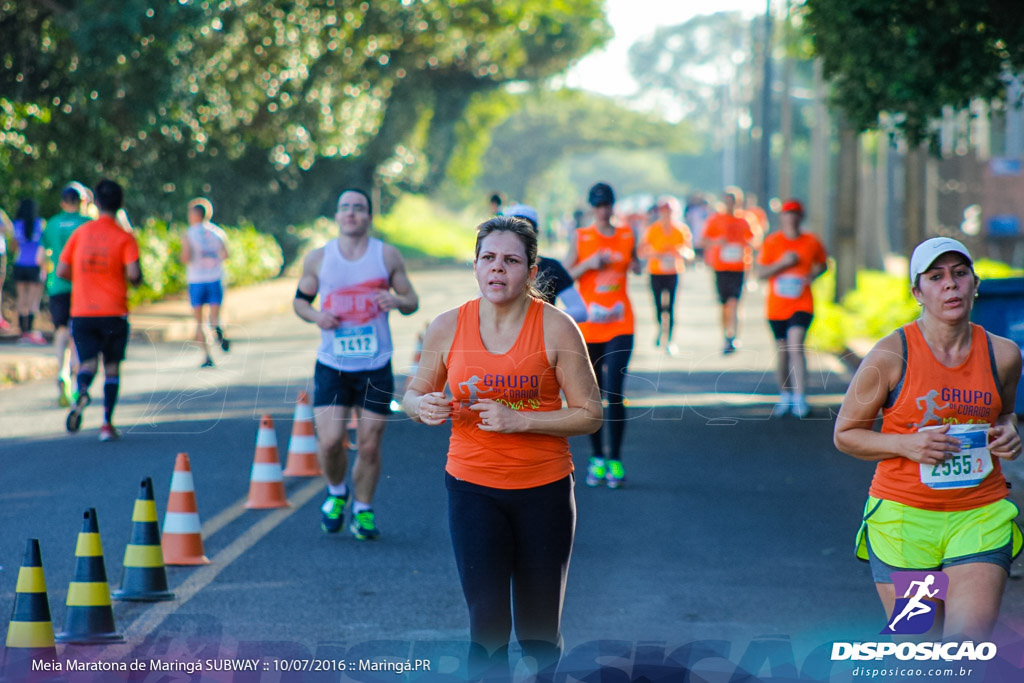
[(938, 500)]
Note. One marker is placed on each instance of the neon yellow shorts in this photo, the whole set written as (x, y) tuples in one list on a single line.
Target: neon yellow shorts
[(910, 538)]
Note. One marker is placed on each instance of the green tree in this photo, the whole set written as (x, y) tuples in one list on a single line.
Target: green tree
[(268, 107), (909, 58), (551, 125)]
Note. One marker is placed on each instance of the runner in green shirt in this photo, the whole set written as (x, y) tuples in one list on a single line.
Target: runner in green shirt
[(55, 236)]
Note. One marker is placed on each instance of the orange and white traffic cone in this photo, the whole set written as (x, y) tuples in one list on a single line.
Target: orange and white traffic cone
[(266, 483), (302, 446), (182, 542)]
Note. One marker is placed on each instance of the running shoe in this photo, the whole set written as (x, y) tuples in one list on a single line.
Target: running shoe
[(4, 325), (672, 349), (109, 433), (225, 344), (208, 363), (364, 526), (784, 405), (616, 474), (63, 397), (730, 346), (800, 408), (332, 514), (596, 471), (74, 420), (35, 338)]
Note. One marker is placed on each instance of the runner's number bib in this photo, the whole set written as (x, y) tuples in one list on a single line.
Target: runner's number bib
[(355, 341), (597, 313), (966, 469), (731, 253), (789, 286)]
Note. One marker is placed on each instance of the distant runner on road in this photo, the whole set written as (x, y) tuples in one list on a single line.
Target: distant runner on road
[(56, 234), (100, 259), (358, 280), (600, 256), (728, 247), (790, 260), (204, 248), (665, 245)]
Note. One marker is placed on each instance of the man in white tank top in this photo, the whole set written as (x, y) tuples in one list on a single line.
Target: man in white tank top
[(204, 248), (358, 279)]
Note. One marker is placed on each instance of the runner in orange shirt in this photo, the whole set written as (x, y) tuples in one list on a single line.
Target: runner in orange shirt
[(665, 246), (728, 248), (938, 501), (100, 259), (790, 260), (508, 359), (600, 256)]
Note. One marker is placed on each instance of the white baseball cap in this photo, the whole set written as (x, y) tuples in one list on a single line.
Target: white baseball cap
[(929, 250), (524, 211)]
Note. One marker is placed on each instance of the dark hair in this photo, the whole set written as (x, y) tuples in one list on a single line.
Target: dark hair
[(71, 194), (601, 194), (369, 202), (28, 214), (203, 206), (108, 195), (496, 199), (520, 227)]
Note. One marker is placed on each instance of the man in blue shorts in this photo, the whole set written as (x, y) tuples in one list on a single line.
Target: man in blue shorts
[(204, 249)]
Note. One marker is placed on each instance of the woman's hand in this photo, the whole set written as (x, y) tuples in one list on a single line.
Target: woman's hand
[(1004, 441), (931, 446), (434, 408), (496, 417)]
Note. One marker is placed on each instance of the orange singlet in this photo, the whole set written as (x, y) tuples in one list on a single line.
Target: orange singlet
[(521, 379), (932, 394), (609, 313)]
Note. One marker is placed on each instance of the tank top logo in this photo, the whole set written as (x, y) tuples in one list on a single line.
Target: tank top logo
[(355, 304), (518, 392), (964, 404)]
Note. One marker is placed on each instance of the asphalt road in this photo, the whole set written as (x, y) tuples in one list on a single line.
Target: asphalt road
[(730, 548)]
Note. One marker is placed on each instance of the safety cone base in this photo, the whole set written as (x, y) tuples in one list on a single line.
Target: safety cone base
[(90, 639), (142, 596)]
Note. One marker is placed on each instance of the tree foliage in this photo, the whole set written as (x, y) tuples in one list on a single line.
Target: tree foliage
[(909, 58), (268, 107), (551, 125)]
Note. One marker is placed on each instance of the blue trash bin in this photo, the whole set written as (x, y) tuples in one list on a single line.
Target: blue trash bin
[(999, 308)]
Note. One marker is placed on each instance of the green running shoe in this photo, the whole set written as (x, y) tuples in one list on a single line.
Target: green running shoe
[(596, 471), (332, 514), (616, 475), (364, 526)]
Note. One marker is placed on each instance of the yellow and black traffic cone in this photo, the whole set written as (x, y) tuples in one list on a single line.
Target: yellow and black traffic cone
[(144, 578), (30, 633), (90, 618)]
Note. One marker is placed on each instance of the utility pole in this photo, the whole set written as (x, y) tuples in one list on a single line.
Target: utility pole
[(786, 122), (762, 168)]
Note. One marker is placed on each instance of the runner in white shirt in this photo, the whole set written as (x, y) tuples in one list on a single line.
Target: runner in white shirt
[(204, 248), (358, 279)]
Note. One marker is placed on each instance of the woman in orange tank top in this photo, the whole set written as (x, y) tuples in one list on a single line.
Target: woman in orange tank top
[(508, 358), (600, 257), (938, 502)]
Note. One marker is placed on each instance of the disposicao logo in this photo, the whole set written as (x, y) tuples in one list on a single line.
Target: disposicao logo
[(914, 614)]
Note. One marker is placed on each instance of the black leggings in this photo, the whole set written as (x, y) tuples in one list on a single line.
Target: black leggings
[(518, 538), (610, 360), (659, 285)]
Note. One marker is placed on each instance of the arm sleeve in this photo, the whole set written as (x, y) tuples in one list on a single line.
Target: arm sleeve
[(573, 303)]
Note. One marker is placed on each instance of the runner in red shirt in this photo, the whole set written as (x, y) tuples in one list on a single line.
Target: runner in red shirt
[(100, 259)]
